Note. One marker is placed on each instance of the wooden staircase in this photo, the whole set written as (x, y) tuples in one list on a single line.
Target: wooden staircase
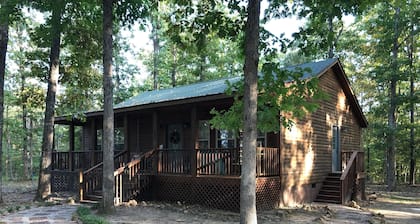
[(331, 189), (340, 188), (131, 179)]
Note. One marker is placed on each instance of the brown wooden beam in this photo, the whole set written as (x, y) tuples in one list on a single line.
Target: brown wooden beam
[(155, 140), (193, 126), (71, 146), (126, 148)]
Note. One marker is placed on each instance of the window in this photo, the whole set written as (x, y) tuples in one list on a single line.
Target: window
[(203, 134), (98, 145), (261, 136), (118, 139), (261, 139), (225, 139)]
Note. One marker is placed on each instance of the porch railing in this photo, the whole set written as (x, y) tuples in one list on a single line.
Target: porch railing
[(75, 160), (81, 160), (268, 162), (353, 171), (228, 162), (174, 161), (216, 161)]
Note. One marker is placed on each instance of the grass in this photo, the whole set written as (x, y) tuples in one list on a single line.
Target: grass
[(84, 214)]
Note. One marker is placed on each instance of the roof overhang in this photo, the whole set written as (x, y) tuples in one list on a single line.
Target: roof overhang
[(155, 105)]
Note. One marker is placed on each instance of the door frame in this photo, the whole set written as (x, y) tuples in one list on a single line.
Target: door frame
[(335, 148)]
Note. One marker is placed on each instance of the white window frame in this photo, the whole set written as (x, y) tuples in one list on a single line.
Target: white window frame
[(207, 139)]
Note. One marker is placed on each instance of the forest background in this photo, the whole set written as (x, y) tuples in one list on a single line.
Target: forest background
[(192, 42)]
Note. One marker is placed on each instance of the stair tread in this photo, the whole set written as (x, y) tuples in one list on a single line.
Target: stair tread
[(92, 197), (328, 196), (323, 191), (86, 201), (327, 201)]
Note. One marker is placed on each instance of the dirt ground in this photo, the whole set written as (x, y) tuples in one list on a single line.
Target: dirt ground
[(402, 206), (17, 196)]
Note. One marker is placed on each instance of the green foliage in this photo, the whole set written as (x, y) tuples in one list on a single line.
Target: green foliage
[(283, 95), (84, 214), (374, 37), (198, 41)]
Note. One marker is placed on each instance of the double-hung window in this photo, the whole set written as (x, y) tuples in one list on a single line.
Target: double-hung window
[(225, 139), (203, 134)]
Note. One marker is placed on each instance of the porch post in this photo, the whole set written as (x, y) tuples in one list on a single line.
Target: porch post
[(155, 140), (90, 156), (126, 148), (71, 146), (193, 126)]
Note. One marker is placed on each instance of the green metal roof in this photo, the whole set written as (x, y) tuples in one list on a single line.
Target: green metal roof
[(213, 87)]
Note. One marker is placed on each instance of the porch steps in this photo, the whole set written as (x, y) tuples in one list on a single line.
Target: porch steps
[(95, 196), (331, 189)]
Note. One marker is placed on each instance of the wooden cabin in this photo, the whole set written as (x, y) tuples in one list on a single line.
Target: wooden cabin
[(166, 150)]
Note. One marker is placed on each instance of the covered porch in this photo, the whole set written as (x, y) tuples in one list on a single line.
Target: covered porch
[(204, 176)]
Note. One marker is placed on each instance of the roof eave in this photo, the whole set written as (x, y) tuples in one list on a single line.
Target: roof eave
[(350, 93)]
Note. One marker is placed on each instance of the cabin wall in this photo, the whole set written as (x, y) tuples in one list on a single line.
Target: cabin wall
[(88, 132), (306, 149), (143, 132)]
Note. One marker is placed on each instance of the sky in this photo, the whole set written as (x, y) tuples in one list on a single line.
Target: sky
[(140, 40)]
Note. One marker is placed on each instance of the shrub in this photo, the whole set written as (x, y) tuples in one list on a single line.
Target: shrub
[(85, 215)]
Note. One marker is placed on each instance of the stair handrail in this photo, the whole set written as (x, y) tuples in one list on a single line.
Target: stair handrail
[(134, 162), (101, 163), (348, 177), (92, 184), (119, 193)]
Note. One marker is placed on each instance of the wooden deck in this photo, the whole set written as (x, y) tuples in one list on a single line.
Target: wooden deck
[(181, 175), (136, 175)]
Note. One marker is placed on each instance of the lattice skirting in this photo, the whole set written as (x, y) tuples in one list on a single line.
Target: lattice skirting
[(221, 193), (268, 193), (64, 181)]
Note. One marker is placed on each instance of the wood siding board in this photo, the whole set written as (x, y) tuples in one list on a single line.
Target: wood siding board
[(294, 151)]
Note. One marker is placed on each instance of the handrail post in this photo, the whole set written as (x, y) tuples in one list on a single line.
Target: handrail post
[(194, 162), (81, 188), (155, 162)]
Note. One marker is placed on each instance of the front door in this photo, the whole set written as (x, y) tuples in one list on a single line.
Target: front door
[(336, 151), (174, 136)]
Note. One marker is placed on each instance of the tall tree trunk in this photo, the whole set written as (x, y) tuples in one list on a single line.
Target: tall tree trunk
[(108, 121), (44, 181), (248, 174), (202, 68), (25, 155), (30, 143), (156, 47), (329, 35), (7, 168), (174, 66), (412, 73), (4, 37), (391, 183)]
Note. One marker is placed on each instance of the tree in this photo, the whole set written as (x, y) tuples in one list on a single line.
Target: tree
[(9, 11), (44, 183), (108, 125), (248, 176), (322, 33), (4, 33), (391, 140), (383, 58), (411, 53)]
